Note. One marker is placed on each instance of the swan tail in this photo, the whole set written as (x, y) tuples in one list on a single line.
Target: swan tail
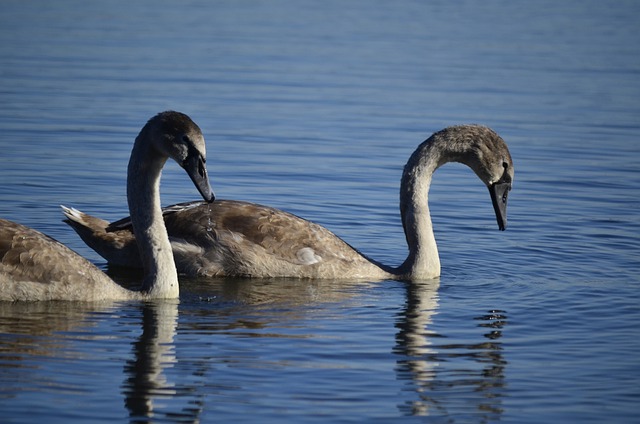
[(80, 220), (118, 248)]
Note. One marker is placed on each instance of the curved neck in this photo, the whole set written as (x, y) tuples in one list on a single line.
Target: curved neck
[(423, 261), (143, 195)]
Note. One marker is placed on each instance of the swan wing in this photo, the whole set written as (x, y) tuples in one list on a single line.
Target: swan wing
[(228, 237), (248, 225)]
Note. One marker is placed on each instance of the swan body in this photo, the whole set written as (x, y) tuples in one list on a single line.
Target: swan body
[(234, 238), (34, 266)]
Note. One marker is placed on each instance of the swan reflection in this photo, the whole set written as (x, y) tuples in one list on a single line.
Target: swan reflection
[(444, 375), (146, 385)]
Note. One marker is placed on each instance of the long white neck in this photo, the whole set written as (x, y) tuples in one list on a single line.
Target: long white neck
[(143, 195), (423, 261)]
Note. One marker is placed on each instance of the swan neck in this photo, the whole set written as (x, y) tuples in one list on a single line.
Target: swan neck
[(143, 196), (422, 261)]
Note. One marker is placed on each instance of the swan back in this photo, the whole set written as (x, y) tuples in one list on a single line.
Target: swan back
[(36, 267)]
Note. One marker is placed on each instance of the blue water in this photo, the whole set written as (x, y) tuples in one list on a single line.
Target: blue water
[(314, 107)]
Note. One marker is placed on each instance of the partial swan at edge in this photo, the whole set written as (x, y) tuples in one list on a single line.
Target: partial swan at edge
[(34, 266), (234, 238)]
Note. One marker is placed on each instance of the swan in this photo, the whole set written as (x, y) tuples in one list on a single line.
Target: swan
[(234, 238), (34, 266)]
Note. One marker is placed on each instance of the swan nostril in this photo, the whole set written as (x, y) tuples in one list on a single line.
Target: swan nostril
[(202, 170)]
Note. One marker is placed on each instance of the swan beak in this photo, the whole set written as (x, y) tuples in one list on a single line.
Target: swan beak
[(195, 167), (499, 192)]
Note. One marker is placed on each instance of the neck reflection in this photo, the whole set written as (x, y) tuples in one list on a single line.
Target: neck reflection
[(455, 374), (153, 354)]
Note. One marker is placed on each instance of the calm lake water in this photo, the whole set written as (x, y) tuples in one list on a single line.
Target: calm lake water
[(314, 107)]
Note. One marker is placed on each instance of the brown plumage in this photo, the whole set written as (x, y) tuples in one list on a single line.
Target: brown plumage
[(233, 238), (40, 268)]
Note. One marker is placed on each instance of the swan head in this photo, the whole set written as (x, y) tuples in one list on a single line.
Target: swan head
[(176, 136), (484, 151), (499, 190)]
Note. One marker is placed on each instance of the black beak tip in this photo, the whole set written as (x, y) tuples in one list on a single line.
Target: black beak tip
[(204, 187), (211, 198), (195, 167), (499, 193)]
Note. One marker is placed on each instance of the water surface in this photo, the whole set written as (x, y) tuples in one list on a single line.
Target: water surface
[(314, 107)]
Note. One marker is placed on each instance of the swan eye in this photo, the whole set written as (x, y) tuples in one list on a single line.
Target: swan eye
[(185, 138), (505, 178)]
